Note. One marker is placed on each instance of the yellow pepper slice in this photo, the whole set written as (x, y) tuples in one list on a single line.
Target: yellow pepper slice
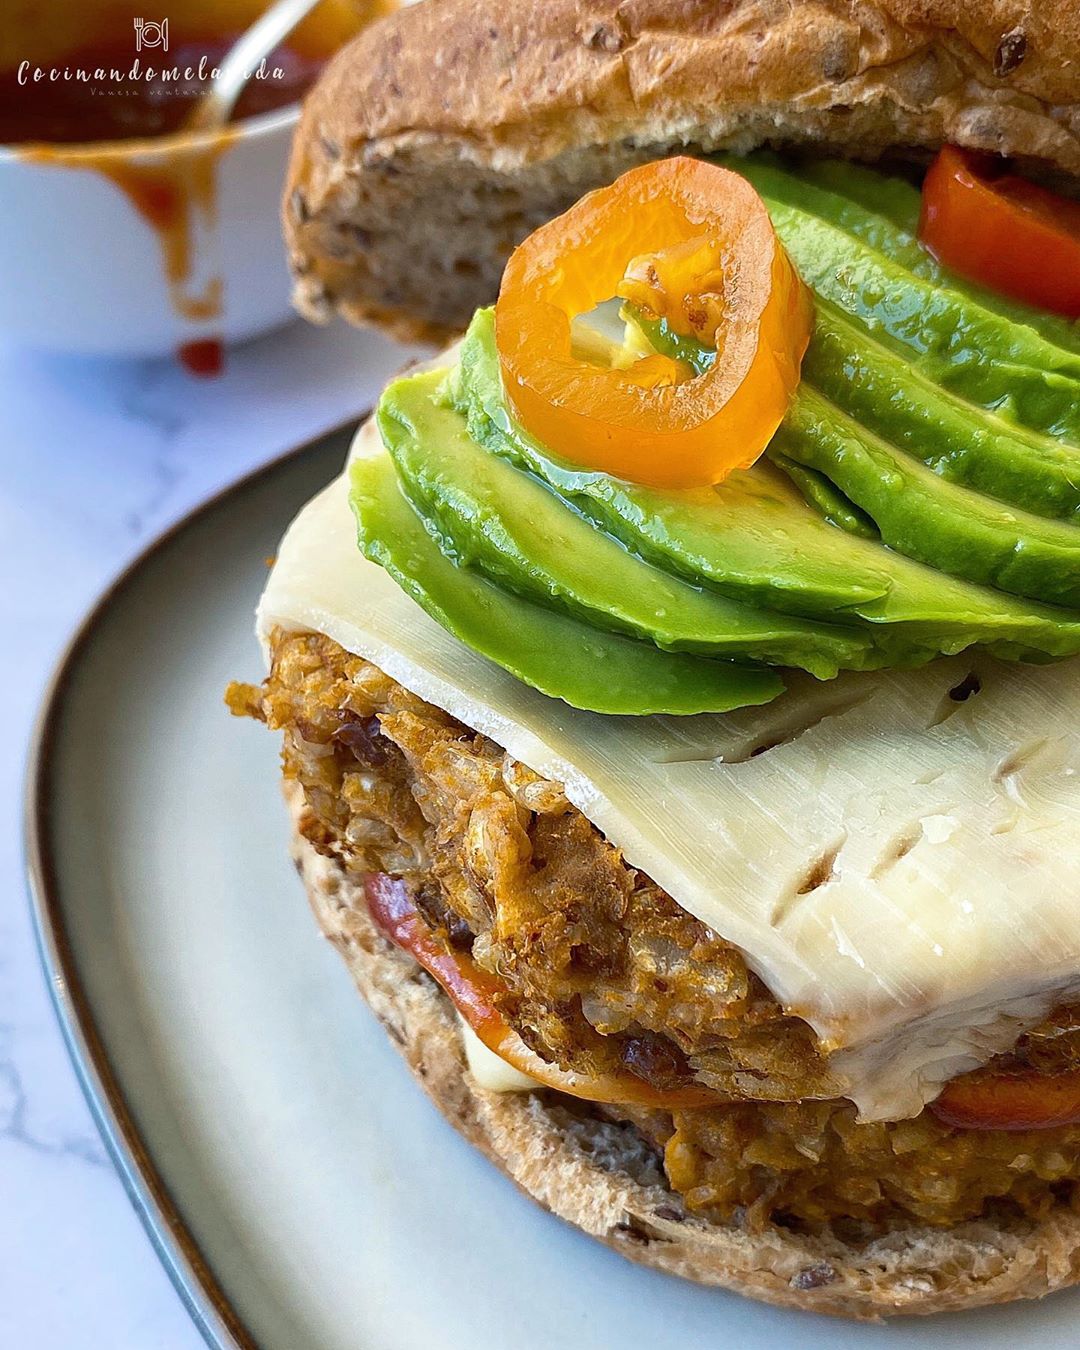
[(686, 241)]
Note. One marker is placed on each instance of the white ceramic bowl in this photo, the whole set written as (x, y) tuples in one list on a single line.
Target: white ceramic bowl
[(82, 270)]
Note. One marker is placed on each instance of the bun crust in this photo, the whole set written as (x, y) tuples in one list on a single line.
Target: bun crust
[(601, 1177), (443, 134)]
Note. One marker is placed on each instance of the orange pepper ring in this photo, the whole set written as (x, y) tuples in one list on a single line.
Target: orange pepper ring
[(684, 435)]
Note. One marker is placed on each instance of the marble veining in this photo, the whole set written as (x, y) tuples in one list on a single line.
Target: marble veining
[(95, 459), (17, 1125)]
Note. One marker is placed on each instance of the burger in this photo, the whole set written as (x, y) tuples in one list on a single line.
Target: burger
[(679, 686)]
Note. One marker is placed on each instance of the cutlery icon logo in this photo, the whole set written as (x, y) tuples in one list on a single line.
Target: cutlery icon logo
[(150, 34)]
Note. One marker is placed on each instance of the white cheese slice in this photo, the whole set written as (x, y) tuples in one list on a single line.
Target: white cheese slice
[(489, 1070), (900, 868)]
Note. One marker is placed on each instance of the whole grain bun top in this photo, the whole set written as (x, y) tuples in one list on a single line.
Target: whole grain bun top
[(442, 135)]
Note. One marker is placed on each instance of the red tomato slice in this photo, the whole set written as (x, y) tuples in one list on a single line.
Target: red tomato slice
[(472, 991), (1010, 1101), (998, 229)]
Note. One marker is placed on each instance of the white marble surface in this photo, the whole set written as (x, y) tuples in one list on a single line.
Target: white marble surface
[(96, 459)]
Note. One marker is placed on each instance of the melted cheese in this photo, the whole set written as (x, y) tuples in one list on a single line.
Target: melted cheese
[(900, 868)]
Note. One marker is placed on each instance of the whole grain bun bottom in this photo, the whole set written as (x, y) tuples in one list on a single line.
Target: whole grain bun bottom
[(602, 1177)]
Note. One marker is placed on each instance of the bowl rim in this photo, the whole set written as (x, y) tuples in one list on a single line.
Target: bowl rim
[(77, 154)]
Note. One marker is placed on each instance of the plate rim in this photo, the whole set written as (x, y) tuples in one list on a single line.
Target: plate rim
[(190, 1273)]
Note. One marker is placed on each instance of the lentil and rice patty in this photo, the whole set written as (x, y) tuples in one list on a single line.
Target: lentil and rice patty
[(603, 972)]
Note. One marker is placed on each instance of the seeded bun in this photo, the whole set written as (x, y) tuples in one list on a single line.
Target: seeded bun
[(447, 132), (602, 1177)]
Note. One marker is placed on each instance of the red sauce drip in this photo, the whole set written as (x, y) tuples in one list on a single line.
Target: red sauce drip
[(88, 101), (205, 358)]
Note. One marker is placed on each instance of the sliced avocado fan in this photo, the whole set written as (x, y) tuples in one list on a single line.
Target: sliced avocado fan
[(586, 667), (489, 516), (864, 414), (755, 538)]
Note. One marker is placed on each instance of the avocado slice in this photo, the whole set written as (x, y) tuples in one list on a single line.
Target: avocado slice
[(952, 337), (491, 516), (961, 443), (755, 538), (927, 518), (880, 196), (877, 193), (924, 515), (826, 498), (587, 668)]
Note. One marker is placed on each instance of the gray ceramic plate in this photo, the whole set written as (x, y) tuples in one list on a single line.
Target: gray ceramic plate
[(296, 1183)]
